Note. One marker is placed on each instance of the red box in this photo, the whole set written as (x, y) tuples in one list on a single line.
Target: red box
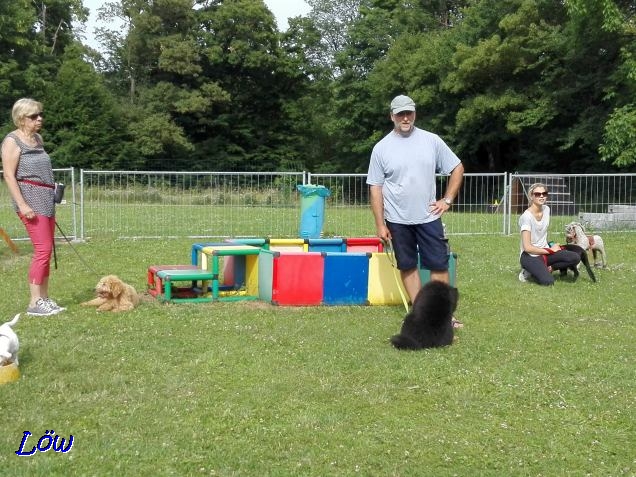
[(291, 278), (364, 244)]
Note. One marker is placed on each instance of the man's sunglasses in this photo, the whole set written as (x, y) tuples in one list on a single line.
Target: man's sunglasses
[(540, 194)]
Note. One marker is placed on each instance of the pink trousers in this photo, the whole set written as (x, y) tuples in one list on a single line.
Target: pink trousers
[(40, 230)]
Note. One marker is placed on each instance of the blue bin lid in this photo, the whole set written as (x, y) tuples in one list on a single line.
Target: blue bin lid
[(310, 189)]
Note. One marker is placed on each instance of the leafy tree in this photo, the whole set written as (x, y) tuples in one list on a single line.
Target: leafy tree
[(55, 22), (32, 37), (525, 87), (619, 144), (379, 63), (310, 114), (242, 55), (85, 126), (501, 51), (211, 84), (331, 20), (619, 137), (208, 85), (17, 45)]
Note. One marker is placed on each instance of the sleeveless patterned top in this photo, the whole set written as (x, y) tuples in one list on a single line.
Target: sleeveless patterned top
[(34, 165)]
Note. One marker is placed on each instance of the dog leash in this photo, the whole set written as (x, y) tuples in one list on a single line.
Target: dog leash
[(74, 250), (388, 250)]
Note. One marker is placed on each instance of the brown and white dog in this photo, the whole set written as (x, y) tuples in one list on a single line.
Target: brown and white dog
[(575, 233), (114, 295)]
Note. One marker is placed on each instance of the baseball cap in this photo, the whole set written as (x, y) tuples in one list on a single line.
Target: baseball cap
[(402, 103)]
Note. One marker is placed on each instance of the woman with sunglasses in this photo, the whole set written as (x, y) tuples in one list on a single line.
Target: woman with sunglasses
[(539, 258), (28, 174)]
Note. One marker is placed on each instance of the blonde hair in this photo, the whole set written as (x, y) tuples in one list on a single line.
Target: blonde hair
[(534, 186), (24, 107)]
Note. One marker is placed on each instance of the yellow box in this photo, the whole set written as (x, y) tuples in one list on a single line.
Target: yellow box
[(288, 245), (384, 281), (210, 261)]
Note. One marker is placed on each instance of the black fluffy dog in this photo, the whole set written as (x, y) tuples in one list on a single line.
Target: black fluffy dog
[(585, 260), (429, 324)]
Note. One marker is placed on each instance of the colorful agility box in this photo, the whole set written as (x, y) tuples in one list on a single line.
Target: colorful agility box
[(346, 278), (363, 244), (195, 276), (302, 272), (384, 279), (195, 252), (425, 274), (333, 278), (290, 278), (382, 283), (326, 245), (234, 266), (229, 269), (210, 261), (287, 245), (155, 287)]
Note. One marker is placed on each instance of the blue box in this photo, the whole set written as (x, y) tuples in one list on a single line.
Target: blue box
[(346, 278), (327, 245)]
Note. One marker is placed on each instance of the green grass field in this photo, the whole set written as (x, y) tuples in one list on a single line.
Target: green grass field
[(541, 381)]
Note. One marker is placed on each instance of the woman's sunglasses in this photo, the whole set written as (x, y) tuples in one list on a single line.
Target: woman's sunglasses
[(540, 194), (36, 115)]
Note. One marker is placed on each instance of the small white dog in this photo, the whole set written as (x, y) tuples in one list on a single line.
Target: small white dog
[(9, 343)]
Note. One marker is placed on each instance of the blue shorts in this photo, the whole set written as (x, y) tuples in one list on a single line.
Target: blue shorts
[(428, 238)]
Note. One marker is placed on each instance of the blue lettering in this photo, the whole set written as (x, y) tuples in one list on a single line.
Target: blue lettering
[(60, 448), (24, 439), (45, 436)]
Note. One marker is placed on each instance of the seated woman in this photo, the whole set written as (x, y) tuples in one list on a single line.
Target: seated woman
[(537, 258)]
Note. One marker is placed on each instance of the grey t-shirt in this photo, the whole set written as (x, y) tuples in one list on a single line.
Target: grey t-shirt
[(34, 166), (405, 167)]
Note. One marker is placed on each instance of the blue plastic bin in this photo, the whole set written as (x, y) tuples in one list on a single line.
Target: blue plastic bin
[(312, 210)]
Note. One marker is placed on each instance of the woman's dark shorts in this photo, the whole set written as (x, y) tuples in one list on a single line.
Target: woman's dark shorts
[(428, 238)]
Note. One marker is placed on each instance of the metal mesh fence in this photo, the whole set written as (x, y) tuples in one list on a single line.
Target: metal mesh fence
[(181, 204), (147, 204), (599, 202), (476, 210)]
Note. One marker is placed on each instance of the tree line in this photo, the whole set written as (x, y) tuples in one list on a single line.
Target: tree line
[(211, 85)]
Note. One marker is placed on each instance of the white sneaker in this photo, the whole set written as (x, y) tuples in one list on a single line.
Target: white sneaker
[(54, 305), (524, 275), (42, 308)]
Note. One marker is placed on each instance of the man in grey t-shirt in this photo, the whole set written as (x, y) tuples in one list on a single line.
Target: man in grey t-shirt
[(404, 198)]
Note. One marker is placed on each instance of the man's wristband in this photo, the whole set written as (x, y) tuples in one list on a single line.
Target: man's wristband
[(447, 201)]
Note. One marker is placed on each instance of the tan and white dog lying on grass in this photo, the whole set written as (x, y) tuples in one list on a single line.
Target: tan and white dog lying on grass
[(114, 295)]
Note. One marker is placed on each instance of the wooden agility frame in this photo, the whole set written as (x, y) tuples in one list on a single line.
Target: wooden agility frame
[(8, 240)]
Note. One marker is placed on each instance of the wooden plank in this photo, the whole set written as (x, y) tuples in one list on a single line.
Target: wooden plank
[(10, 243)]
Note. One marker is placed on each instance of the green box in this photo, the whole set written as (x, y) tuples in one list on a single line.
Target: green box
[(425, 273)]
